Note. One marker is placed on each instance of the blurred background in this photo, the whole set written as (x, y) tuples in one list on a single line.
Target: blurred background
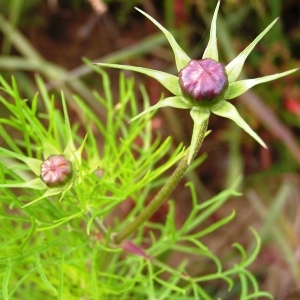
[(51, 38)]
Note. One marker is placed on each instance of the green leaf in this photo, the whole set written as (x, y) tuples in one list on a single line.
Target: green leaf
[(5, 280), (43, 276), (256, 250), (68, 131), (234, 68), (199, 116), (240, 87), (211, 50), (181, 58), (227, 110), (29, 235), (58, 223), (177, 102), (170, 82), (213, 227)]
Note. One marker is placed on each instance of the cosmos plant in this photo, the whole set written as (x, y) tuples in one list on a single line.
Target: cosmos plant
[(204, 87), (58, 172)]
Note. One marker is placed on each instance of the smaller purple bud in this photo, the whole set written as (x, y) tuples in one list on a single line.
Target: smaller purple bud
[(129, 246), (203, 81), (56, 170)]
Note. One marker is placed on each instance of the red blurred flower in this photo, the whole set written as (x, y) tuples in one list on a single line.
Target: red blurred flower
[(293, 106)]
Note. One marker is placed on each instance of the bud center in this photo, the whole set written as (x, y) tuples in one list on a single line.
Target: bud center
[(203, 81)]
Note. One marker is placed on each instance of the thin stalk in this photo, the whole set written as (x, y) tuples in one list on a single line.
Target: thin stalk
[(97, 223), (163, 193)]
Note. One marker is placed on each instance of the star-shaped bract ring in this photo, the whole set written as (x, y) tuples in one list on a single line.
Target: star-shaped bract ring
[(204, 85)]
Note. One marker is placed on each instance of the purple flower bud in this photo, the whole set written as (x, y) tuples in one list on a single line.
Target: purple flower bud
[(56, 170), (204, 81)]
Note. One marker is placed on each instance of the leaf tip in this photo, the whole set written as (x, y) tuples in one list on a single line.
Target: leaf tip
[(262, 143), (138, 9)]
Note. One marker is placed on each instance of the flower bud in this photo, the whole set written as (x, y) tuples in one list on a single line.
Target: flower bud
[(56, 170), (203, 81)]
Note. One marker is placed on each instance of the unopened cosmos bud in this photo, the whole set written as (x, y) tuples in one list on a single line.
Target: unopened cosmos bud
[(56, 170), (203, 81)]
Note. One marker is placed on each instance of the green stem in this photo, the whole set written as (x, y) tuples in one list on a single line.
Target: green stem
[(164, 192)]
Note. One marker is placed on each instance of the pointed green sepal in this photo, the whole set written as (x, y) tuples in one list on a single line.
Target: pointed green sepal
[(227, 110), (211, 50), (240, 87), (32, 163), (177, 102), (36, 184), (170, 82), (200, 116), (181, 58), (234, 68), (49, 149), (75, 155)]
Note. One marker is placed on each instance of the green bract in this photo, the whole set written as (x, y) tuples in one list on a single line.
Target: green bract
[(233, 70)]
